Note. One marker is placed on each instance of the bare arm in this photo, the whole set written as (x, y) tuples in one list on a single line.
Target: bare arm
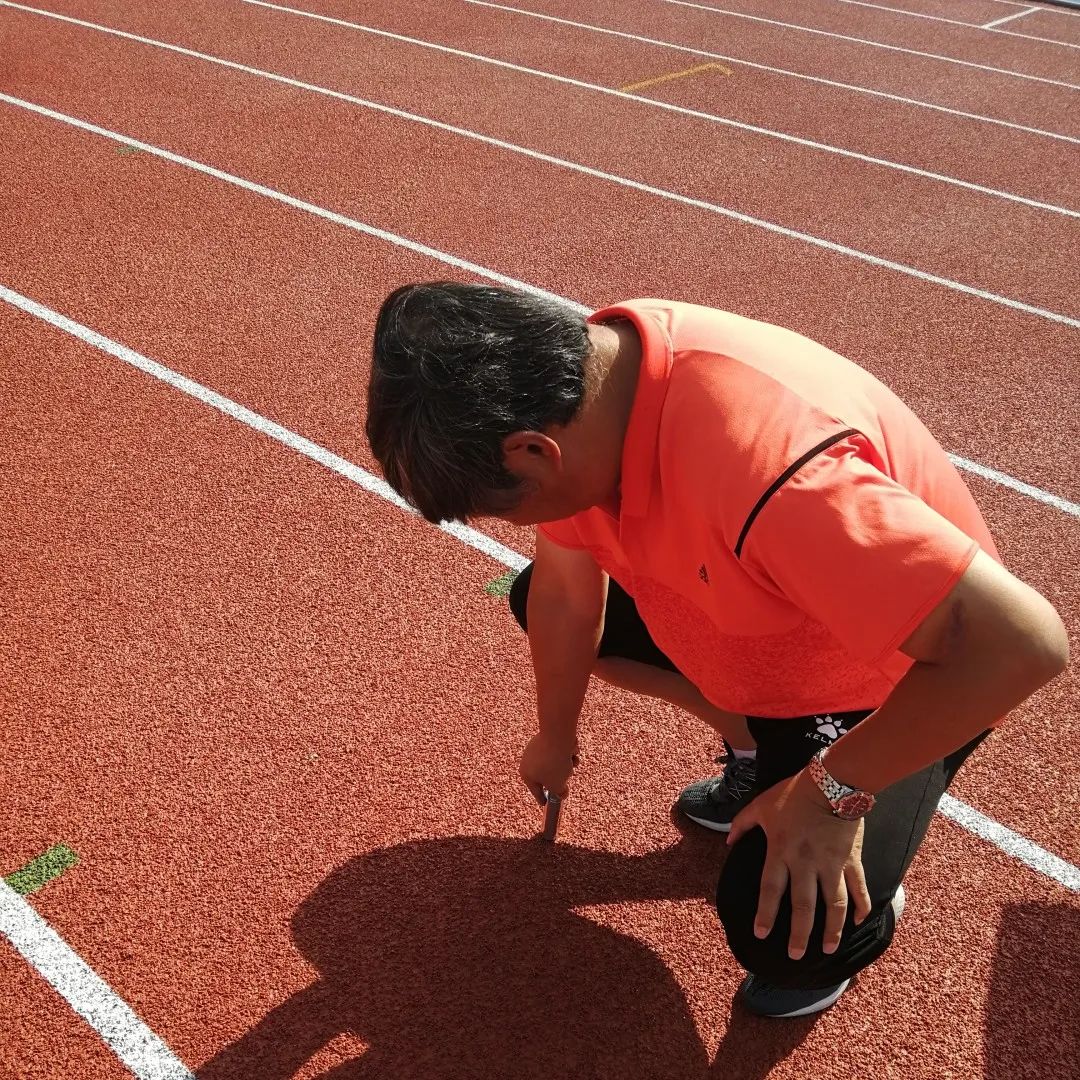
[(565, 614)]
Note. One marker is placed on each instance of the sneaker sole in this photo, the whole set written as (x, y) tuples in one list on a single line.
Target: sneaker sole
[(899, 902), (716, 826)]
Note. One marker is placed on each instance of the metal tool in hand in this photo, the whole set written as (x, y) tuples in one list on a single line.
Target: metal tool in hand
[(553, 806)]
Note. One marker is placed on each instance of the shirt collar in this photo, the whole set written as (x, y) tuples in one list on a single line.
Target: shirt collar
[(640, 443)]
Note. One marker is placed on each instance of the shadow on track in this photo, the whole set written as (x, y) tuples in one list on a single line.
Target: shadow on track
[(463, 958), (1032, 1027)]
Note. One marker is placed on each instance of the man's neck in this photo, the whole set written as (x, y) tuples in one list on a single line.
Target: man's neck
[(611, 386)]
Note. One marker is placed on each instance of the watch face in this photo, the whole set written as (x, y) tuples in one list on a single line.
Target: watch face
[(855, 805)]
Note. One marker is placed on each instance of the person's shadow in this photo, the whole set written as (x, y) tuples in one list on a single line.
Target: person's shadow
[(1032, 1023), (463, 958)]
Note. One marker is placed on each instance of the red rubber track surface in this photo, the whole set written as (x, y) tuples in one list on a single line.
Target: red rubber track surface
[(281, 330), (952, 85), (944, 230), (251, 696), (902, 329), (285, 828), (1051, 23)]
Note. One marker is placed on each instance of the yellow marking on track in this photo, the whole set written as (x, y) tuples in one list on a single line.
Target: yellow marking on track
[(676, 75)]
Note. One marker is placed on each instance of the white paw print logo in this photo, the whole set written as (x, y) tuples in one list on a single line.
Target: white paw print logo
[(831, 728)]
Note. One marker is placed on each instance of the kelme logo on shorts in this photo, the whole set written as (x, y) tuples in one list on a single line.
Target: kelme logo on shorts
[(828, 730)]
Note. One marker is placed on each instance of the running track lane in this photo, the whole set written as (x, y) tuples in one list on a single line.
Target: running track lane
[(1054, 23), (972, 12), (256, 678), (214, 324), (969, 89), (829, 296), (985, 241), (968, 149), (814, 19)]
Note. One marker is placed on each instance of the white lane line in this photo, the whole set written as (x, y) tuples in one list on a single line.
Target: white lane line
[(678, 109), (572, 166), (1012, 843), (775, 70), (368, 481), (1005, 480), (1009, 18), (877, 44), (450, 260), (1009, 842), (85, 991), (971, 26)]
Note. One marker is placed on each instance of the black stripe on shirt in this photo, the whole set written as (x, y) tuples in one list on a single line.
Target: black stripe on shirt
[(787, 474)]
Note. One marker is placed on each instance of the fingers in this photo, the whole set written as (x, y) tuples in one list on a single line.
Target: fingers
[(804, 894), (742, 823), (835, 891), (855, 879), (774, 880)]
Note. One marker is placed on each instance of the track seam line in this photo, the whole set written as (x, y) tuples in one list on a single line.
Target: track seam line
[(143, 1052), (776, 71), (626, 93), (572, 166), (1038, 494), (877, 44), (1034, 856)]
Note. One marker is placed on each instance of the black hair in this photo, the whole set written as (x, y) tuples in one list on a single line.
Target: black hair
[(455, 369)]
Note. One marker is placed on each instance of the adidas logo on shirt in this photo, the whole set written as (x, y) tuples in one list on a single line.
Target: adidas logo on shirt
[(703, 574)]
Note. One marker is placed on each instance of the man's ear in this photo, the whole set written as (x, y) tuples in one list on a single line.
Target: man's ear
[(528, 453)]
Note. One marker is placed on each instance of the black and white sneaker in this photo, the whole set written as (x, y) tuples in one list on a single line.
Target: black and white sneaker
[(715, 802), (781, 1003)]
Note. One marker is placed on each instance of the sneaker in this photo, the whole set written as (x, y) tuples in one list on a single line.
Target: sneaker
[(781, 1002), (715, 802)]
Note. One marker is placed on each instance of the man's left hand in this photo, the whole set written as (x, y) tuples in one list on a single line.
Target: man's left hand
[(808, 846)]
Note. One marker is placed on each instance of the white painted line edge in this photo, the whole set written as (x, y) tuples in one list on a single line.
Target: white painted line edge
[(659, 43), (450, 260), (548, 159), (1032, 855), (1012, 843), (1066, 507), (878, 44), (314, 451), (85, 991), (970, 26), (666, 106), (1008, 18)]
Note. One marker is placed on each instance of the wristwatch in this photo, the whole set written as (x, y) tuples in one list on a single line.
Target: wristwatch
[(847, 802)]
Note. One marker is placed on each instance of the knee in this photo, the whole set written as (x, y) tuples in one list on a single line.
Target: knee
[(519, 596), (736, 904)]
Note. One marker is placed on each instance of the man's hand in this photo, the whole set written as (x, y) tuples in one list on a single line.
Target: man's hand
[(547, 763), (807, 846)]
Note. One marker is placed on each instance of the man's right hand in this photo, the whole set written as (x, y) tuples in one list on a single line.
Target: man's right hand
[(546, 764)]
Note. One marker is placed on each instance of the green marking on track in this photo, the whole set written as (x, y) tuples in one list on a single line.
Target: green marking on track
[(42, 870), (501, 586)]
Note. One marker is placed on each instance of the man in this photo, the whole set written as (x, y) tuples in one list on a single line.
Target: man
[(734, 519)]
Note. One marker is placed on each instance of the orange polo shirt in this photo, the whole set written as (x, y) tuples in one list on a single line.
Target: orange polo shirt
[(785, 522)]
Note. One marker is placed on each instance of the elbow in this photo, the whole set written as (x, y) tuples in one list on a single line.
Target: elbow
[(1048, 649)]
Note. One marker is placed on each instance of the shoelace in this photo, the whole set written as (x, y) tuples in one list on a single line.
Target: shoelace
[(738, 779)]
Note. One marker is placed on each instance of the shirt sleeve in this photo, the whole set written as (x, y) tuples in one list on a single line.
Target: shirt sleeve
[(564, 533), (856, 551)]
